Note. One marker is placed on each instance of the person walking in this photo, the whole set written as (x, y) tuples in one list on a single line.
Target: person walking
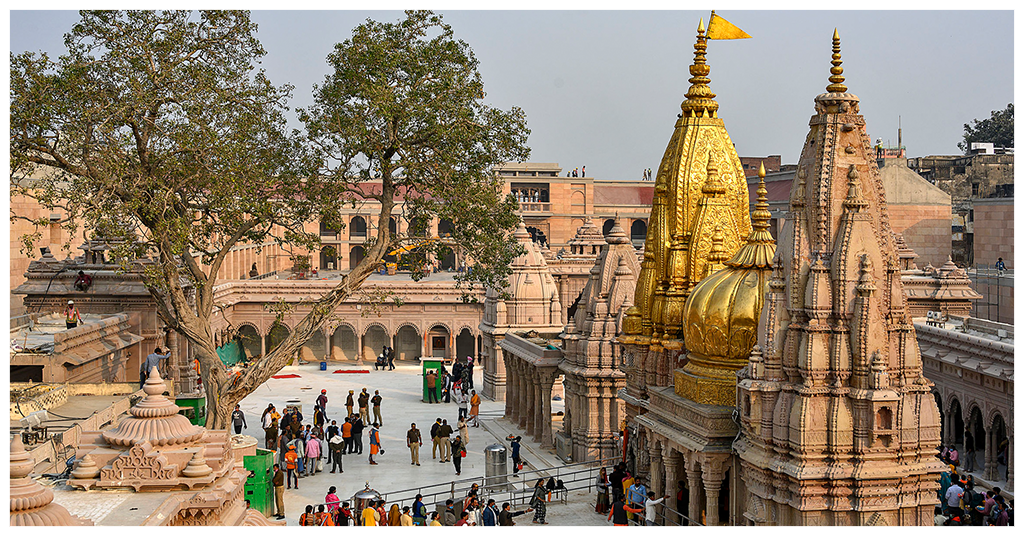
[(357, 434), (395, 516), (364, 403), (464, 431), (278, 482), (344, 516), (270, 421), (463, 401), (506, 515), (391, 358), (370, 516), (336, 446), (435, 520), (72, 317), (448, 517), (602, 491), (346, 435), (376, 400), (953, 496), (323, 519), (308, 518), (292, 465), (444, 434), (432, 388), (619, 516), (238, 419), (489, 516), (321, 401), (433, 439), (458, 452), (406, 519), (517, 462), (419, 511), (650, 509), (312, 455), (332, 432), (374, 443), (474, 409), (414, 441), (538, 502)]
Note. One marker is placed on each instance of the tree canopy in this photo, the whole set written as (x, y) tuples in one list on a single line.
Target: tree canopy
[(997, 129), (158, 128)]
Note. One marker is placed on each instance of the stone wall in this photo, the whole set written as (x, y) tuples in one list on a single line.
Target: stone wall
[(993, 231)]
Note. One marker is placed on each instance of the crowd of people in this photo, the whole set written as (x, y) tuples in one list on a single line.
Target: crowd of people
[(962, 503), (307, 448)]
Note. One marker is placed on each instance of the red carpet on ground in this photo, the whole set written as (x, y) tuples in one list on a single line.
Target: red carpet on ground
[(283, 376), (339, 371)]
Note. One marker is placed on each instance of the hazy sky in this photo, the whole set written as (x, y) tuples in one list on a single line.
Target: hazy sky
[(602, 88)]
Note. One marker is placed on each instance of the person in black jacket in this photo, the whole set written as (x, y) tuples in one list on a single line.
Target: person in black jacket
[(618, 515), (357, 434), (506, 515)]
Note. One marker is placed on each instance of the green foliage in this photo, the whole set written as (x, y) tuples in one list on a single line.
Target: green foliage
[(402, 117), (997, 129)]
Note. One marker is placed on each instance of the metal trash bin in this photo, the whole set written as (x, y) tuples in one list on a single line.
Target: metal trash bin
[(361, 499), (496, 466), (323, 365)]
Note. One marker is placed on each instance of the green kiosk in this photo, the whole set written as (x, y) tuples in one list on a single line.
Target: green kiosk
[(431, 365)]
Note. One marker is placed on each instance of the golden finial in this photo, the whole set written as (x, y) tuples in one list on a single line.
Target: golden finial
[(700, 101), (837, 71), (760, 218), (717, 255), (713, 186)]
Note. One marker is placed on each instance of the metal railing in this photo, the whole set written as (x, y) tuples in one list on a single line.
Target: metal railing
[(517, 488), (666, 517)]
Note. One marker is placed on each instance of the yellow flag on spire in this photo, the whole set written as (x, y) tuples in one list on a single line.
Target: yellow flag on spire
[(719, 28)]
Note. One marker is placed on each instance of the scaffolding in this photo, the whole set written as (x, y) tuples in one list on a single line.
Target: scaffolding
[(990, 283)]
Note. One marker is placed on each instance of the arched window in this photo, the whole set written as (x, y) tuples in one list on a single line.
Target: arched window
[(357, 228)]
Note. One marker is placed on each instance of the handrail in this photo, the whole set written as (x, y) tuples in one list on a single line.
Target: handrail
[(516, 487)]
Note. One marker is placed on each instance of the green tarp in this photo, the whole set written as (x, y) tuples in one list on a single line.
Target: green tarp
[(230, 353)]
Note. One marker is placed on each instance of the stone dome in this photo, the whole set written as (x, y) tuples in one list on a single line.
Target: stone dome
[(155, 419), (31, 504)]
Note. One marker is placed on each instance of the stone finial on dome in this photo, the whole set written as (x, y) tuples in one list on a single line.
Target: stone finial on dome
[(197, 467), (87, 468), (154, 419), (617, 235), (31, 504), (521, 234), (837, 78)]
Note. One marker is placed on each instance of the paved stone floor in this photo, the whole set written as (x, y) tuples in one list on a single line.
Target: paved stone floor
[(402, 405)]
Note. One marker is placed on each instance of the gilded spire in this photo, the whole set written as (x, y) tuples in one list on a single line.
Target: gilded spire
[(700, 101), (717, 256), (760, 247), (713, 186), (837, 70)]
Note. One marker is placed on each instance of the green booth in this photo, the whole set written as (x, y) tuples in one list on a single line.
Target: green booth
[(431, 364), (259, 487), (193, 407)]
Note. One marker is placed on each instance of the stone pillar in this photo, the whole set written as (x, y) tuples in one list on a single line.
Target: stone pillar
[(711, 491), (175, 362), (547, 381), (510, 387), (693, 479), (991, 465), (536, 405), (1009, 463), (657, 475), (523, 383), (671, 460)]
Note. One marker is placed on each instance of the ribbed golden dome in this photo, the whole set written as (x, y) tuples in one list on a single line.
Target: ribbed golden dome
[(722, 312)]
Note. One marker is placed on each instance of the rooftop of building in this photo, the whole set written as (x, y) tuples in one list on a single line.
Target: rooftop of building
[(34, 333)]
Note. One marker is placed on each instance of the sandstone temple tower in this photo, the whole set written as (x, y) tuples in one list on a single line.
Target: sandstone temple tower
[(838, 426)]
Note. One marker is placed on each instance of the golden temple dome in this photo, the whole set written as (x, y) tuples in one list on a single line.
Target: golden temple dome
[(722, 312)]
